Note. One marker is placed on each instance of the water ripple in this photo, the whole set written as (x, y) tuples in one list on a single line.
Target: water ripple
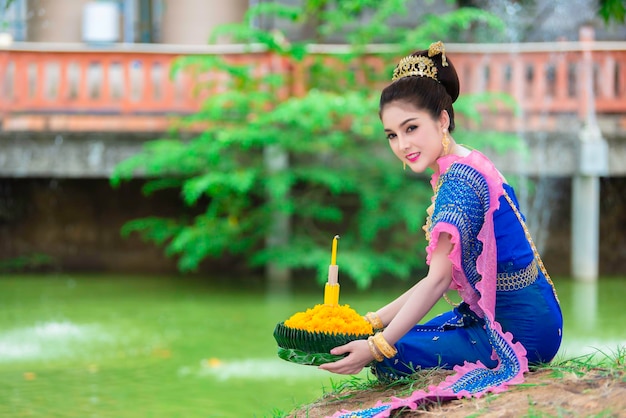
[(262, 368), (49, 340)]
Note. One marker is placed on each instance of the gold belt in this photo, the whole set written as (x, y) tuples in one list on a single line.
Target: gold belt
[(506, 282)]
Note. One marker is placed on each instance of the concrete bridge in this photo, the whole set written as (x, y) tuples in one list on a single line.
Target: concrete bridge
[(71, 111)]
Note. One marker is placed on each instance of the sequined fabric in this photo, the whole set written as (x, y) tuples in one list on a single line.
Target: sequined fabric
[(463, 200)]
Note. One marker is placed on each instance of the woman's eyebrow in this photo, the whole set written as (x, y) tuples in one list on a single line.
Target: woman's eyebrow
[(408, 120), (403, 123)]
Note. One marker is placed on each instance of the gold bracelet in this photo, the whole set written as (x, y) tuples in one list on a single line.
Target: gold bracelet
[(374, 319), (375, 353), (383, 346)]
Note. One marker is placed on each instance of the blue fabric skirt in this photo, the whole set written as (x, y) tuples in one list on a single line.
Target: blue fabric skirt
[(531, 314)]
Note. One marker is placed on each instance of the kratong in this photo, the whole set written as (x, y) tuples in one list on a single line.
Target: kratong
[(307, 337)]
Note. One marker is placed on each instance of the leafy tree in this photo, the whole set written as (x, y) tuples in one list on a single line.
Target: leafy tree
[(613, 10), (306, 166)]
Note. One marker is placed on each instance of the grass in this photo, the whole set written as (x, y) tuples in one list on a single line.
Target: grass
[(610, 364)]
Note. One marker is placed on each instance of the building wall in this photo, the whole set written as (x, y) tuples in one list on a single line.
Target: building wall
[(181, 21), (192, 21), (54, 20)]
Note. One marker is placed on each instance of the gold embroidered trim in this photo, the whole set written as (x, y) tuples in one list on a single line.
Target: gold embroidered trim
[(506, 282)]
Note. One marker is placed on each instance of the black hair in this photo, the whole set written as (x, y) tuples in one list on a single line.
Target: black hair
[(424, 92)]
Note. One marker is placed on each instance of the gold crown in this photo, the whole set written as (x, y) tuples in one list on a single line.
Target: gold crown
[(418, 65)]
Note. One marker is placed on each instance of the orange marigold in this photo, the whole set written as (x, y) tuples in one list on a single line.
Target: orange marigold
[(333, 319)]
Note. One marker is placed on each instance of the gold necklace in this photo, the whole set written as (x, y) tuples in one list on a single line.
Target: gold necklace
[(431, 209)]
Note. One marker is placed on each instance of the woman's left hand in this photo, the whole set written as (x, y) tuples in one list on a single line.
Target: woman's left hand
[(359, 356)]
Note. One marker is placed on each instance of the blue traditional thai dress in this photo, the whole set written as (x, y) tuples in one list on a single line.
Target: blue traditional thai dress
[(510, 315)]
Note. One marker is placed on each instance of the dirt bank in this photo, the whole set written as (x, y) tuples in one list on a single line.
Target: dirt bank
[(547, 392)]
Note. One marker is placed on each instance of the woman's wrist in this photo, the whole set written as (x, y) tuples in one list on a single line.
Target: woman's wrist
[(383, 347), (378, 356), (374, 320)]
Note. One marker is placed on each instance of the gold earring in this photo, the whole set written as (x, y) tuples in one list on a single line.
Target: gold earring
[(445, 142), (404, 165)]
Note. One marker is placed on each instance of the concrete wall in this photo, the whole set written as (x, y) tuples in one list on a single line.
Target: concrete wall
[(77, 222), (94, 155), (60, 155), (55, 199)]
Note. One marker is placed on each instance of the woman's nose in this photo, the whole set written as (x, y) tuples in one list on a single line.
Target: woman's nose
[(403, 143)]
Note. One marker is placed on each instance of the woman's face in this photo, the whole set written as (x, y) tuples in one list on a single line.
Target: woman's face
[(414, 136)]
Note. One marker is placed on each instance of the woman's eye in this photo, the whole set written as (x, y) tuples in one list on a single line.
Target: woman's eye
[(411, 128), (391, 136)]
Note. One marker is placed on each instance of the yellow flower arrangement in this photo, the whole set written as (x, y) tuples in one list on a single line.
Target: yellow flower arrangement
[(308, 337), (332, 319)]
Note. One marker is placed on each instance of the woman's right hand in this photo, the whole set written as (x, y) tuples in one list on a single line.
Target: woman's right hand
[(359, 356)]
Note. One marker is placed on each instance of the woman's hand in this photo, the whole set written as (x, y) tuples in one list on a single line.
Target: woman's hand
[(358, 357)]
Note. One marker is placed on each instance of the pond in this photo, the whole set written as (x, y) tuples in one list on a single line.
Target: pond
[(126, 346)]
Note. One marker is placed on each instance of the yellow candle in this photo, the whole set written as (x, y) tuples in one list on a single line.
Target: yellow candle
[(331, 294), (333, 256)]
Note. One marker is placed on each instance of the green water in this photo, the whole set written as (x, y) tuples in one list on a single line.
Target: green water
[(93, 346)]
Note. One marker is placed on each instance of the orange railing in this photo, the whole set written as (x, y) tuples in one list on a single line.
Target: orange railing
[(40, 82), (554, 81)]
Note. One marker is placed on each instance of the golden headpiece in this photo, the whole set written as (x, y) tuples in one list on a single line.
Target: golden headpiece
[(419, 65)]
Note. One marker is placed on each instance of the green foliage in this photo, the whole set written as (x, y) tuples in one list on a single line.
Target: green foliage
[(456, 23), (319, 159), (613, 10)]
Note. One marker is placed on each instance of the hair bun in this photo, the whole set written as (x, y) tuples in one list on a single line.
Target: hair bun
[(445, 72)]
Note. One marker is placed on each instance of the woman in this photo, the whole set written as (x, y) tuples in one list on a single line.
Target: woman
[(478, 245)]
